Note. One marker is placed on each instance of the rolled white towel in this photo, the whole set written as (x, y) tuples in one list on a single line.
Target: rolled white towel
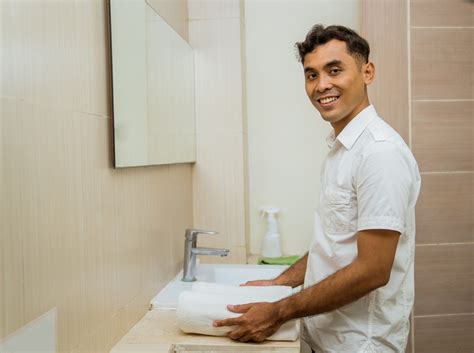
[(257, 293), (197, 311)]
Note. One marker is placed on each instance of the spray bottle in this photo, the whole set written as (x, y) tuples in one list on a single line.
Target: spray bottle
[(271, 241)]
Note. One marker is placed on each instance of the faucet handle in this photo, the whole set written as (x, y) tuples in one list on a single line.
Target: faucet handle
[(191, 234)]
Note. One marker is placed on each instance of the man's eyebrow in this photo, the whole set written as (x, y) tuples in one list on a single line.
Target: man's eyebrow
[(334, 62)]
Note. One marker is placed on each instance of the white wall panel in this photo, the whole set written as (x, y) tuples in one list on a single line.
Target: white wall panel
[(286, 135)]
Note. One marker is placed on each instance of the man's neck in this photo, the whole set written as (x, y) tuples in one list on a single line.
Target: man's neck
[(338, 126)]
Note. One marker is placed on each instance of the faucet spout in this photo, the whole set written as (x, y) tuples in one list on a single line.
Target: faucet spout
[(191, 251), (210, 251)]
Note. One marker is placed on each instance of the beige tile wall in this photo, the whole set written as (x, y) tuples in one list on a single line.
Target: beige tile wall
[(445, 211), (442, 62), (443, 134), (76, 234), (390, 59), (444, 278), (444, 13), (442, 334), (436, 36), (219, 181)]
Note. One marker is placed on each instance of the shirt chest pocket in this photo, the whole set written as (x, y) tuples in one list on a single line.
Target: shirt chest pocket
[(340, 211)]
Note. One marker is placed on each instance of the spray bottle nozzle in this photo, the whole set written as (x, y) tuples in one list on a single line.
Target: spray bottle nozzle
[(268, 210)]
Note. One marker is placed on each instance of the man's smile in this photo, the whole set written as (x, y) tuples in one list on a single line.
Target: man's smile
[(328, 101)]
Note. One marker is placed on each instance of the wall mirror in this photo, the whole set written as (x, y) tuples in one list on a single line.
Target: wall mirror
[(153, 88)]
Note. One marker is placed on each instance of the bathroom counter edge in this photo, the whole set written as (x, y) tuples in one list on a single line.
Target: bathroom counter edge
[(158, 332)]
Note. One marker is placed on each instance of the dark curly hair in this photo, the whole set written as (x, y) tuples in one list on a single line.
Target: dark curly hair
[(318, 35)]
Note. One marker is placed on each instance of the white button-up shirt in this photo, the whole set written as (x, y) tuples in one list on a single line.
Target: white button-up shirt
[(369, 180)]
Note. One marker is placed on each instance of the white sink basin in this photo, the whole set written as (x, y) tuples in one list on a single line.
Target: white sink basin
[(167, 298)]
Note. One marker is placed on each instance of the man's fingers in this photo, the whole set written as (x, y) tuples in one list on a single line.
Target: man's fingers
[(236, 334), (245, 338), (227, 322), (263, 282), (242, 308)]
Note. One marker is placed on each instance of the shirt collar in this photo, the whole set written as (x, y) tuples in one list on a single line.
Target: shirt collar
[(351, 132)]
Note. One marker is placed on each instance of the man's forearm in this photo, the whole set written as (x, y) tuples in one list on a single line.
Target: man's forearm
[(294, 275), (341, 288)]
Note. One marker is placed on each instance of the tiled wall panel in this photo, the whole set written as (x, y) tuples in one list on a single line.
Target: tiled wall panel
[(443, 135), (76, 234), (442, 62), (13, 226), (218, 75), (74, 74), (388, 92), (219, 173), (445, 212), (218, 203), (440, 126), (442, 129), (444, 279), (442, 13), (443, 334)]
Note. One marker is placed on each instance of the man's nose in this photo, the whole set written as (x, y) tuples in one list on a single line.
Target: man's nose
[(324, 83)]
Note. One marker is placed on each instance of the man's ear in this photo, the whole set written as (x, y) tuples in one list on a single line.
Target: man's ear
[(368, 72)]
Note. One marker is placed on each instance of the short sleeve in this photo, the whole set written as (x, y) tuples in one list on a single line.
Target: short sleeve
[(383, 185)]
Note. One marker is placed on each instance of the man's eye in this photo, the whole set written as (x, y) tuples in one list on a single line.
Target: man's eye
[(334, 71), (311, 76)]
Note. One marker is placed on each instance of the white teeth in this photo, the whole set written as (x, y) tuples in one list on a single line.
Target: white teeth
[(328, 100)]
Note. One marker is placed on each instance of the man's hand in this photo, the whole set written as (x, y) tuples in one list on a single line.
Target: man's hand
[(260, 282), (293, 276), (259, 320)]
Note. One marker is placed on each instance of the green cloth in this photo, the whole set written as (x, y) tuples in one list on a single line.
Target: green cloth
[(284, 260)]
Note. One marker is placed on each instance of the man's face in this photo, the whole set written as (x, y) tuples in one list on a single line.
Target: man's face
[(336, 82)]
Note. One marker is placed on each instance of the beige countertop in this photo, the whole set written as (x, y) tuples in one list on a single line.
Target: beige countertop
[(158, 332)]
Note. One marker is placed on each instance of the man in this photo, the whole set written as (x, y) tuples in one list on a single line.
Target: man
[(358, 274)]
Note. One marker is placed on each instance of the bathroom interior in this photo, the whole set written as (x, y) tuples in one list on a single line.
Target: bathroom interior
[(94, 209)]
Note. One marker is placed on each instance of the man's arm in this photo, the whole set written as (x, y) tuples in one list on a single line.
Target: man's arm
[(293, 276), (370, 270)]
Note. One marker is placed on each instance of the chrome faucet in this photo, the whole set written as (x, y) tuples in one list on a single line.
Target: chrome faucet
[(191, 251)]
